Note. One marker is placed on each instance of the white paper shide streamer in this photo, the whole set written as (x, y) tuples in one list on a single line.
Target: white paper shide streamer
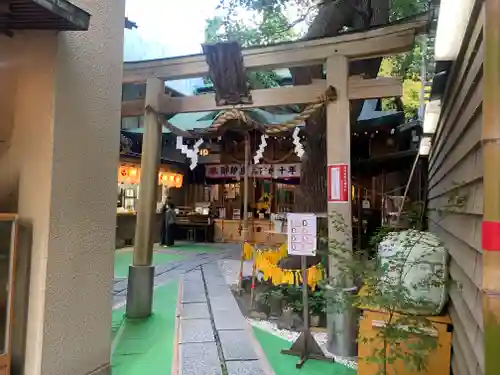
[(299, 149), (192, 154), (260, 152)]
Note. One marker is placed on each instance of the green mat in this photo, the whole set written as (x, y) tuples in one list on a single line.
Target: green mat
[(146, 346), (285, 364), (123, 259)]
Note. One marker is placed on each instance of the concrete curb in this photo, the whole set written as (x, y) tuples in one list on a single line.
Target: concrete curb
[(266, 366), (117, 337), (103, 370)]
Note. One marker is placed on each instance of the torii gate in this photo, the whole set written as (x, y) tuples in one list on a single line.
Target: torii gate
[(335, 52)]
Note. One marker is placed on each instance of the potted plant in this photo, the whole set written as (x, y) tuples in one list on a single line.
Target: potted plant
[(262, 304), (291, 293), (297, 306), (273, 297), (317, 306)]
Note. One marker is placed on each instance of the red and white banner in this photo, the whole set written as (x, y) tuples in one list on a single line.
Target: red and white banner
[(338, 183)]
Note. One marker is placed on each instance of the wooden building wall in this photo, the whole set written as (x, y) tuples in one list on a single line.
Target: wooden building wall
[(456, 171)]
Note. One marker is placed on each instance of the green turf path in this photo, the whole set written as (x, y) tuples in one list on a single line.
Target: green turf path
[(123, 259), (285, 364), (146, 346)]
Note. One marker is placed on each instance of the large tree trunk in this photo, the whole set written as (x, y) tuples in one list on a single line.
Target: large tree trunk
[(331, 18)]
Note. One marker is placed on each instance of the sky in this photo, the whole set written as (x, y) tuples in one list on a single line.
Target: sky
[(178, 24), (168, 28)]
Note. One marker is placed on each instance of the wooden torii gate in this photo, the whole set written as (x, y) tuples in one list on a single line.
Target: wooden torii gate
[(335, 53)]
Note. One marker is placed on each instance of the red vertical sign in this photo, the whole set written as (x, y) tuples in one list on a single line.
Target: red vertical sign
[(338, 183)]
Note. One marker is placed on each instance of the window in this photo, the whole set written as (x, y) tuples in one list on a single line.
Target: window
[(132, 91), (129, 123)]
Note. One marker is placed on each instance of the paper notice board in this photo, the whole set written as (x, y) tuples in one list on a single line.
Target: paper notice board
[(302, 238), (338, 183)]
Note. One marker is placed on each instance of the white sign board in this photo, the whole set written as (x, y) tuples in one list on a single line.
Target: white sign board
[(302, 234)]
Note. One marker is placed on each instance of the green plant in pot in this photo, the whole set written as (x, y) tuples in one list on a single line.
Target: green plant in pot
[(291, 293), (275, 301), (317, 305), (262, 303), (297, 307), (291, 317)]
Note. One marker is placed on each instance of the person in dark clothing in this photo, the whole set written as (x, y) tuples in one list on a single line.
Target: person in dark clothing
[(170, 224), (163, 226)]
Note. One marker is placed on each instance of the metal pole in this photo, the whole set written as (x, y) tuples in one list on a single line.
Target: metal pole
[(141, 273), (423, 76), (305, 296), (254, 275), (245, 187), (360, 218), (244, 229), (401, 205), (384, 200)]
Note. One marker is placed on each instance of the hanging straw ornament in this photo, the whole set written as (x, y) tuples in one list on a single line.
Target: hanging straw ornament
[(260, 152), (299, 149), (191, 154)]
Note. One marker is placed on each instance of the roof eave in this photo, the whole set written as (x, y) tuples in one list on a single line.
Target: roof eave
[(67, 11), (69, 17)]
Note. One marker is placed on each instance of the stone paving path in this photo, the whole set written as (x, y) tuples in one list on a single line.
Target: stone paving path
[(214, 337)]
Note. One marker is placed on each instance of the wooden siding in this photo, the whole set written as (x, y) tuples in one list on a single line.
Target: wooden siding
[(456, 170)]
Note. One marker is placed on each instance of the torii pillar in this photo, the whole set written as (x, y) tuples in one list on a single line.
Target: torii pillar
[(141, 272), (341, 327)]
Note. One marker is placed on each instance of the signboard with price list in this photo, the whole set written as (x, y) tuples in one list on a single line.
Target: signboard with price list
[(302, 238)]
